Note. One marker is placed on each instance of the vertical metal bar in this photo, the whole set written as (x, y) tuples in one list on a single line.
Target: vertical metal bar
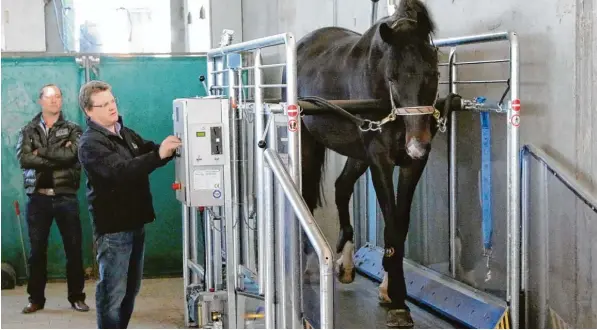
[(374, 4), (230, 217), (294, 165), (453, 167), (258, 172), (525, 204), (210, 75), (234, 170), (185, 259), (513, 174), (282, 290), (217, 236), (248, 233), (87, 65), (209, 253), (220, 75), (543, 287), (268, 195), (194, 241), (282, 295)]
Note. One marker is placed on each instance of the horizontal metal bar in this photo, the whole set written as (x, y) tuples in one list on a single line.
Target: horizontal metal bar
[(564, 175), (264, 66), (250, 45), (466, 82), (75, 54), (251, 86), (197, 269), (472, 39), (504, 60)]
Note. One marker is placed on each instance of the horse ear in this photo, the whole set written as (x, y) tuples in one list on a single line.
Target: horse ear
[(386, 33)]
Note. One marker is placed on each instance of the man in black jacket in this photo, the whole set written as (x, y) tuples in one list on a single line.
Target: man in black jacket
[(117, 162), (47, 152)]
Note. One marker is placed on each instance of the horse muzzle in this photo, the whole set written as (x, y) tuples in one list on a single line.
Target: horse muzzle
[(417, 149)]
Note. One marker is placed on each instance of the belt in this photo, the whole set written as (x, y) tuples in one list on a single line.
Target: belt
[(46, 191)]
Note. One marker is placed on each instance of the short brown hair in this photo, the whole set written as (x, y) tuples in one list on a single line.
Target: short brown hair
[(90, 88)]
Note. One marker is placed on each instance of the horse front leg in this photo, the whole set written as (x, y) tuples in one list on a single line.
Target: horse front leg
[(395, 237), (353, 169), (381, 174)]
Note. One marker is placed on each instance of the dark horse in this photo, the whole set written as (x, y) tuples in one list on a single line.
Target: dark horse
[(393, 61)]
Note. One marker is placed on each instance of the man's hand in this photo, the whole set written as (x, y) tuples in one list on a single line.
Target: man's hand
[(168, 146), (68, 144), (34, 152)]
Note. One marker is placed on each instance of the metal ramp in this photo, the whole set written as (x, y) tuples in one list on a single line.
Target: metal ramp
[(356, 306)]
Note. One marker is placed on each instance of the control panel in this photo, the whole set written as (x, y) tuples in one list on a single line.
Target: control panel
[(201, 163)]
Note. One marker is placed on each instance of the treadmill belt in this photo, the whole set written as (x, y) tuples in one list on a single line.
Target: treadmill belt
[(357, 307)]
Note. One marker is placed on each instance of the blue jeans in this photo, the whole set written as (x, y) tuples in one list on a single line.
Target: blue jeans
[(41, 212), (120, 259)]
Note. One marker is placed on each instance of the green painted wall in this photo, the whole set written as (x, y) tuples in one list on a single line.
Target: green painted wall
[(145, 88)]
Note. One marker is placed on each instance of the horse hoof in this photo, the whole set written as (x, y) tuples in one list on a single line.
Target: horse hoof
[(399, 318), (384, 299), (344, 276)]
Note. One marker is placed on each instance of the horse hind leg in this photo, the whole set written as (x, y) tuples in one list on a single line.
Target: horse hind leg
[(384, 298), (353, 169)]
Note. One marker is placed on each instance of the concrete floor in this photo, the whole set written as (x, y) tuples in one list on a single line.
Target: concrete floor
[(159, 305)]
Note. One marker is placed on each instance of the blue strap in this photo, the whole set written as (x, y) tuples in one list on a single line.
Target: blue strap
[(487, 216)]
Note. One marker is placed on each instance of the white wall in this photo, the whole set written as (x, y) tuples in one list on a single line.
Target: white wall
[(32, 25), (23, 25)]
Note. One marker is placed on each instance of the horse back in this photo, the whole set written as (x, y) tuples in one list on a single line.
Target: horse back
[(329, 60)]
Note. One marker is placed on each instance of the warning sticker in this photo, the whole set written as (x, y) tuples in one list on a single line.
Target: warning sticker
[(515, 120), (292, 125), (516, 105), (292, 110)]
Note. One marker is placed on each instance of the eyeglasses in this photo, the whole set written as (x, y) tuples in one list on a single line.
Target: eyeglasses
[(107, 104)]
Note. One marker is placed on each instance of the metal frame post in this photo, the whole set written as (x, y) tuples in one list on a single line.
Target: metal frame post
[(185, 261), (269, 248), (453, 166), (513, 174), (259, 171)]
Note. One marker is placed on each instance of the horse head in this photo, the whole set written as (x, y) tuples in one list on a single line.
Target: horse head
[(411, 69)]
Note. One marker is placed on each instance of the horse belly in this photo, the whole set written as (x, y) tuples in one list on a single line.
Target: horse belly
[(337, 134)]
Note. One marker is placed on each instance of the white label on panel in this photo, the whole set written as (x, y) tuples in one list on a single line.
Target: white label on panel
[(207, 179)]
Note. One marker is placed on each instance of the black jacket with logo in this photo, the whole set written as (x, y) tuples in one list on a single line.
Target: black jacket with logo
[(55, 165), (118, 168)]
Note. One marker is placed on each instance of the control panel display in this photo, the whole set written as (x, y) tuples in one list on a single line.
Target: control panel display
[(202, 163)]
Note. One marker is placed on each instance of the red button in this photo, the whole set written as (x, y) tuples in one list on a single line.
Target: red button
[(176, 186)]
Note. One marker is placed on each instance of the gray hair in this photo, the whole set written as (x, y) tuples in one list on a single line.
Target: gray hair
[(90, 88)]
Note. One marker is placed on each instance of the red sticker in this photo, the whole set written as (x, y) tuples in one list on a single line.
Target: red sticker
[(516, 105), (292, 110), (292, 125), (515, 120)]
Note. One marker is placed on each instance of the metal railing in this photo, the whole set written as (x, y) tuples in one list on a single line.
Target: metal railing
[(315, 235), (568, 179), (289, 182), (512, 154)]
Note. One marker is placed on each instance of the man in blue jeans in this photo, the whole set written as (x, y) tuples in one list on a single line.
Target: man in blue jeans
[(47, 152), (117, 162)]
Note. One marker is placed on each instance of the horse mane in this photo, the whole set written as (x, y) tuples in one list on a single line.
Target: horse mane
[(412, 20)]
